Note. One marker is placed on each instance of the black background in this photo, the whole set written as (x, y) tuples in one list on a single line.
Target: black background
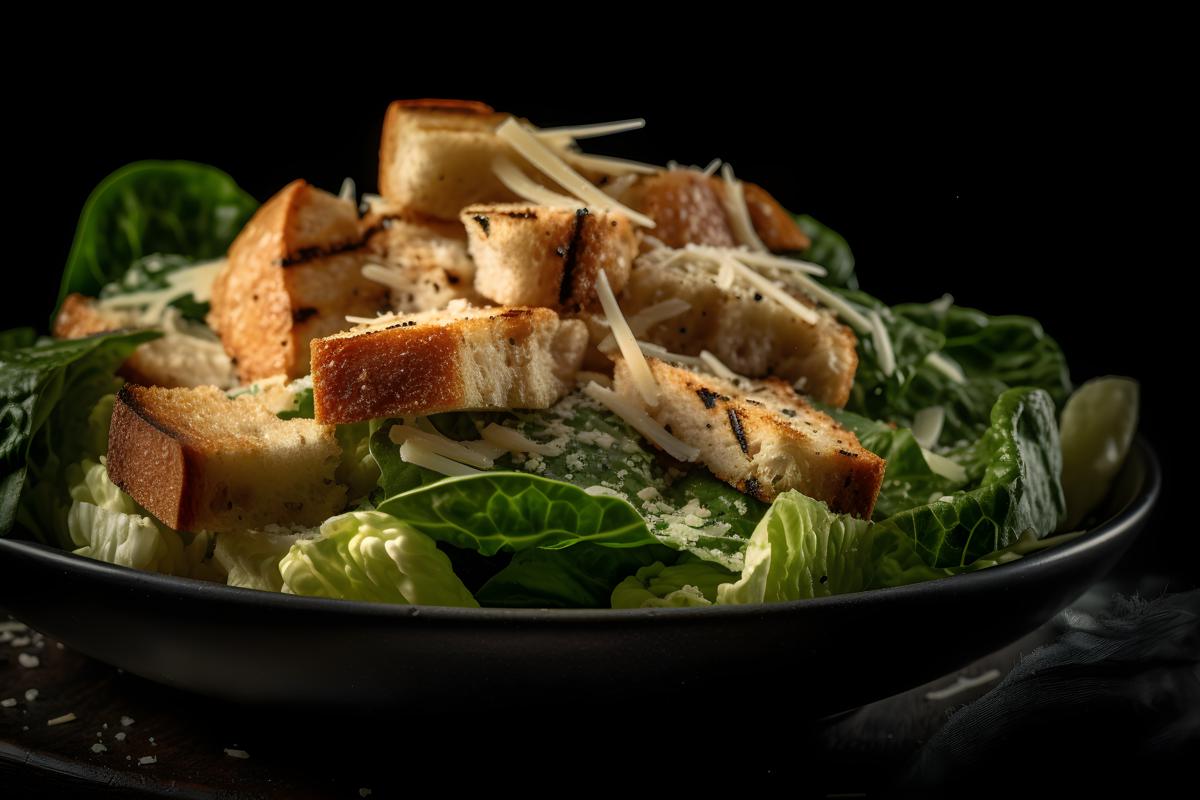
[(1049, 192)]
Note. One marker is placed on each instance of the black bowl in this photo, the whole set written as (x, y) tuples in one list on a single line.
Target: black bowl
[(836, 652)]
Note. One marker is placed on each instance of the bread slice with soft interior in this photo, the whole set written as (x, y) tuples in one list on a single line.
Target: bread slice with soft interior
[(541, 256), (186, 355), (458, 359), (294, 274), (198, 460), (422, 261), (761, 437), (436, 156), (751, 333)]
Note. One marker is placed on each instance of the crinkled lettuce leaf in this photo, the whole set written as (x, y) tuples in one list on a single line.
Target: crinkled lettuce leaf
[(370, 555), (250, 559), (47, 392), (690, 581), (802, 550), (1020, 489)]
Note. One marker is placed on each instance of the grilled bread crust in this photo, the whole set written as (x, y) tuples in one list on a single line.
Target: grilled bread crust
[(753, 335), (198, 460), (762, 439), (426, 260), (294, 274), (472, 359), (539, 256)]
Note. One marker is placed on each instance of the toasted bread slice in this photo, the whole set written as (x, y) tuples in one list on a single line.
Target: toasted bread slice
[(454, 360), (197, 460), (423, 263), (688, 207), (435, 156), (175, 360), (753, 335), (539, 256), (762, 439), (294, 274)]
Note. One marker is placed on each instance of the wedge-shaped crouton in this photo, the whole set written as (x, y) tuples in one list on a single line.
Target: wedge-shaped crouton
[(423, 263), (750, 333), (762, 439), (175, 360), (689, 207), (294, 273), (436, 156), (197, 460), (453, 360), (539, 256)]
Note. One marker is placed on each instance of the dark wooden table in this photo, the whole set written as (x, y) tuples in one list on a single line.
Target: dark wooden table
[(195, 741)]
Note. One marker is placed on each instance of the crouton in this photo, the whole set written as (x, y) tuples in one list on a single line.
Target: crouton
[(294, 274), (198, 460), (752, 334), (539, 256), (180, 358), (435, 156), (453, 360), (688, 207), (762, 439), (423, 263)]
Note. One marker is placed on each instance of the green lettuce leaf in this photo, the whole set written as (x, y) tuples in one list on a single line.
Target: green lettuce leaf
[(495, 511), (47, 392), (1019, 491), (802, 550), (1098, 426), (688, 582), (581, 576), (250, 560), (370, 555), (153, 207), (829, 250)]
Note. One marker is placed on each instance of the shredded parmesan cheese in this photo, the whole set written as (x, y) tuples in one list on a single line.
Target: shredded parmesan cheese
[(927, 425), (516, 442), (712, 168), (946, 366), (883, 344), (639, 370), (663, 354), (65, 718), (734, 200), (647, 318), (608, 165), (520, 184), (768, 260), (545, 160), (196, 280), (347, 192), (591, 131), (440, 445), (716, 367), (642, 423), (772, 291), (945, 467), (414, 452)]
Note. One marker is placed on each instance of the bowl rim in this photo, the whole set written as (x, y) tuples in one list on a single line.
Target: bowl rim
[(1125, 522)]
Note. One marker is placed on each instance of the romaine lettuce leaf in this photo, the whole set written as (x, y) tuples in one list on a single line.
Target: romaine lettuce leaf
[(370, 555), (47, 392), (251, 560), (688, 582), (581, 576), (1098, 426), (153, 207), (1020, 489)]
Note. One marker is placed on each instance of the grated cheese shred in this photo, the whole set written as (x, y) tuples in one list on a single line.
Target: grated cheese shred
[(414, 452), (734, 200), (520, 184), (642, 422), (639, 370), (513, 441)]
